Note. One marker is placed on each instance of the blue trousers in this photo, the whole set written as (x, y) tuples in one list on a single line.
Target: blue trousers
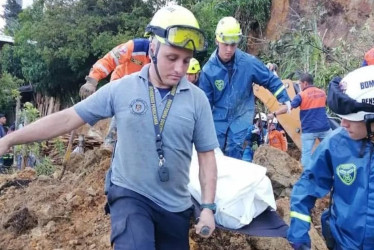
[(138, 223), (307, 143), (231, 143)]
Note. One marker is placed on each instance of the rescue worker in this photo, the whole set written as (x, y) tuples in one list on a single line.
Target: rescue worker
[(275, 137), (160, 116), (227, 80), (193, 71), (315, 124), (256, 134), (368, 58), (343, 163), (124, 59)]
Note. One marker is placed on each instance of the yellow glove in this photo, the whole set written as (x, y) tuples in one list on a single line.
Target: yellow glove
[(88, 88)]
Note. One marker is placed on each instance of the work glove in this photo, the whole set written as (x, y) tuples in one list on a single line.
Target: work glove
[(300, 246), (288, 104), (88, 88)]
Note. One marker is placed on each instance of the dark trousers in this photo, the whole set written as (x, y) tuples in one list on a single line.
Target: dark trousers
[(138, 223)]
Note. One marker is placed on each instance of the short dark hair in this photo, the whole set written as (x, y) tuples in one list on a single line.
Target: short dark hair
[(2, 115), (306, 77)]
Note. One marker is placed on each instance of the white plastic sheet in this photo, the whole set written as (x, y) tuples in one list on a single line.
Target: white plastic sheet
[(243, 190)]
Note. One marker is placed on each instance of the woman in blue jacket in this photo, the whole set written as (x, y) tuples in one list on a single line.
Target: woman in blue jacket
[(343, 164)]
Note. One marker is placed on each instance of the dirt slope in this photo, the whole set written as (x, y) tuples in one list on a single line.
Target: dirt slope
[(45, 213)]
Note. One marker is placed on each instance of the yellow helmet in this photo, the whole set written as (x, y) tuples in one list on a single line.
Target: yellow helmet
[(228, 31), (194, 66), (177, 26)]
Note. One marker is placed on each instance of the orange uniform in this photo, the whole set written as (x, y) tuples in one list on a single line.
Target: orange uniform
[(123, 60), (276, 139)]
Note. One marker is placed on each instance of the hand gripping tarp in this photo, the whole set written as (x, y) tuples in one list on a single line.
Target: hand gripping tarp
[(244, 197)]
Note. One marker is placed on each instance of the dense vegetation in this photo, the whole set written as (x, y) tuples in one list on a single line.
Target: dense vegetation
[(57, 41)]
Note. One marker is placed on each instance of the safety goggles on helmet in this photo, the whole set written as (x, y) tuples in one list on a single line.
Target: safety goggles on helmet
[(181, 36), (229, 39)]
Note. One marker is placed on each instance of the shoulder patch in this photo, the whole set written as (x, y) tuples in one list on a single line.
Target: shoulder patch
[(347, 173), (138, 106)]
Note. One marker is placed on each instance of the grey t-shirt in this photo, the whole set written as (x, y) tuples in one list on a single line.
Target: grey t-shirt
[(135, 163)]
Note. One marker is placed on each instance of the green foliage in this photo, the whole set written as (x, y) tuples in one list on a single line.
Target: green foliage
[(29, 114), (8, 91), (10, 62), (301, 49), (59, 40), (252, 14), (11, 11), (59, 146), (45, 167)]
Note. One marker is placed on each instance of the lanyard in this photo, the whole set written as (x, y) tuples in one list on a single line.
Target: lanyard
[(159, 124)]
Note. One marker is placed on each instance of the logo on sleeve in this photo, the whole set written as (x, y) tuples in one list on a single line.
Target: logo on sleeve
[(347, 173), (138, 107), (219, 84)]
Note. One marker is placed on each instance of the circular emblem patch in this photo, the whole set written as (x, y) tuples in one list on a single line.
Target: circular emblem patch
[(138, 107)]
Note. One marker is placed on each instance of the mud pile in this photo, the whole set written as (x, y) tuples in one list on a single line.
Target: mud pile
[(46, 213)]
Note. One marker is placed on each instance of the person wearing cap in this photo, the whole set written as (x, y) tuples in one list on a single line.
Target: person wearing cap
[(314, 121), (160, 117), (368, 58), (193, 71), (343, 163), (227, 80)]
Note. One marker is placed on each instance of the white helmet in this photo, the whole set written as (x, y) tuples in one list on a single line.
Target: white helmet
[(359, 86), (263, 117), (274, 121)]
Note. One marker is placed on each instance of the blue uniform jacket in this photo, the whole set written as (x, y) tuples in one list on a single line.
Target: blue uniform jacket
[(232, 100), (337, 163)]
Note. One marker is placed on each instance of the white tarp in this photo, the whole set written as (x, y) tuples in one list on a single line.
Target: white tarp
[(243, 190)]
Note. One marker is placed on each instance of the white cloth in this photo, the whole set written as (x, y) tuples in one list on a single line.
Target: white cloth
[(243, 190)]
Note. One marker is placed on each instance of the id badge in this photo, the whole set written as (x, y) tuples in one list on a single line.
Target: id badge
[(163, 173)]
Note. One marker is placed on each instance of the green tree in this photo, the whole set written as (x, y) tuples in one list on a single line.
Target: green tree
[(11, 11), (9, 91), (59, 40), (9, 62)]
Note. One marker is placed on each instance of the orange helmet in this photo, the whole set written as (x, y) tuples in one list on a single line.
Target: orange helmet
[(369, 57)]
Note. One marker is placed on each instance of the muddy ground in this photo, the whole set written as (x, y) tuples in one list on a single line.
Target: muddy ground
[(46, 213)]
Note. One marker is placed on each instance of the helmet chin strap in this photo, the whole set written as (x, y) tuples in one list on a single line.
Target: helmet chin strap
[(154, 58)]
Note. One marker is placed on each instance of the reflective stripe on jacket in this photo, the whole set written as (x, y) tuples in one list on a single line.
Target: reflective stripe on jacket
[(123, 60), (337, 163)]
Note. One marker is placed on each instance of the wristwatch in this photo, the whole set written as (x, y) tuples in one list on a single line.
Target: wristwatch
[(274, 114), (211, 206)]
